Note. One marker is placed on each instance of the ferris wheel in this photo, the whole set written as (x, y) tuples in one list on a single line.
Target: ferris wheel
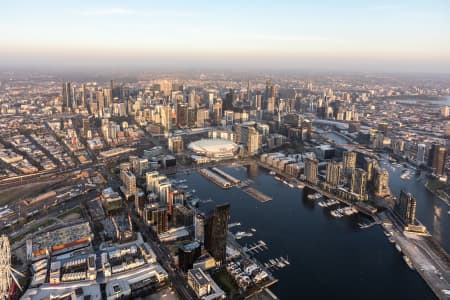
[(7, 273)]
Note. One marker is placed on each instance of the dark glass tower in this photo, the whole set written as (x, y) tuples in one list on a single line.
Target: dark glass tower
[(216, 229)]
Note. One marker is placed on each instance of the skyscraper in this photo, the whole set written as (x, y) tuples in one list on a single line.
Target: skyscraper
[(83, 95), (216, 229), (311, 169), (381, 183), (182, 115), (437, 159), (333, 173), (161, 219), (420, 157), (359, 183), (67, 94), (405, 207), (228, 103), (188, 254), (199, 227), (349, 160)]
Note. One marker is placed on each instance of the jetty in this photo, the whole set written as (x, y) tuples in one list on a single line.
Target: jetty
[(261, 197)]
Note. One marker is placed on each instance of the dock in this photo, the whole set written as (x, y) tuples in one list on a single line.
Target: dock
[(261, 197), (256, 248), (213, 177), (227, 176)]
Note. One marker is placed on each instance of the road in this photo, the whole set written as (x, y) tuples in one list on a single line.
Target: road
[(433, 267), (175, 276)]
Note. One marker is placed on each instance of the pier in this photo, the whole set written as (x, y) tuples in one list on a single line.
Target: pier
[(261, 197), (227, 176), (256, 248), (213, 177)]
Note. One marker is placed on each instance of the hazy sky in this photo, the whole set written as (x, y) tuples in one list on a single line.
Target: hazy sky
[(348, 35)]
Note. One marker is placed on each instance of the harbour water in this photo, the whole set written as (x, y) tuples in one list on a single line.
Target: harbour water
[(445, 101), (330, 257), (431, 211)]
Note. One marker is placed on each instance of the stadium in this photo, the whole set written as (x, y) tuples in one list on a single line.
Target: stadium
[(214, 148)]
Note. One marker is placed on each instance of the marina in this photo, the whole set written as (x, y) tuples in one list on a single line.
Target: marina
[(242, 234), (256, 247), (277, 263), (308, 229)]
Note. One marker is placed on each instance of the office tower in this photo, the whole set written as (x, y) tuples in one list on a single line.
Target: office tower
[(107, 93), (270, 104), (129, 182), (141, 167), (182, 115), (437, 159), (229, 117), (199, 228), (176, 144), (165, 86), (334, 169), (160, 219), (192, 116), (306, 129), (228, 102), (85, 126), (249, 93), (210, 100), (151, 178), (181, 215), (164, 192), (217, 111), (192, 99), (420, 156), (445, 111), (202, 117), (254, 141), (216, 229), (381, 183), (166, 119), (358, 184), (368, 165), (311, 169), (293, 120), (67, 94), (83, 95), (405, 207), (349, 161), (398, 146), (74, 97), (258, 101), (188, 254), (100, 102)]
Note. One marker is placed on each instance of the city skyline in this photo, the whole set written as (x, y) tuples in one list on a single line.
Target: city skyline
[(353, 36)]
